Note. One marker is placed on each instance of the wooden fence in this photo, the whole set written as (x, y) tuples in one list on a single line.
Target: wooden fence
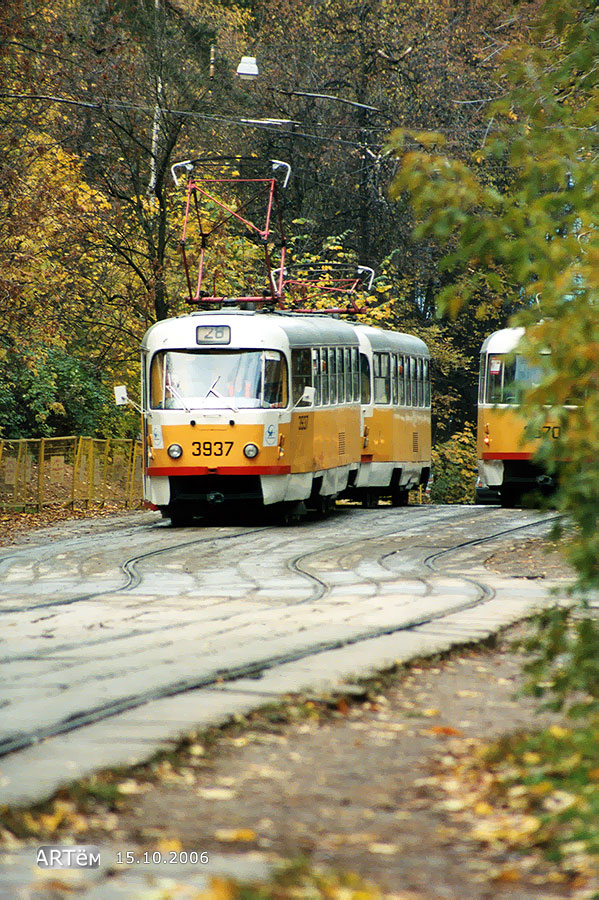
[(70, 471)]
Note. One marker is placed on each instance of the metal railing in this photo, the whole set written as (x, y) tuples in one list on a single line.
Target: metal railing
[(70, 471)]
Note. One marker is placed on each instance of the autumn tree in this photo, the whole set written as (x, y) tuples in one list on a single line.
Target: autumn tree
[(90, 218), (129, 85), (45, 209)]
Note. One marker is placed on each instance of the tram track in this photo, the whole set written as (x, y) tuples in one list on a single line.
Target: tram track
[(129, 568), (135, 579), (255, 669)]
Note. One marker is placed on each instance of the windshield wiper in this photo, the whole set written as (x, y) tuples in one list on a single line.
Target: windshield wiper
[(178, 396), (219, 396)]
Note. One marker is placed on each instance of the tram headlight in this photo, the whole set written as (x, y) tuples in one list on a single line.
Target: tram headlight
[(250, 451), (175, 451)]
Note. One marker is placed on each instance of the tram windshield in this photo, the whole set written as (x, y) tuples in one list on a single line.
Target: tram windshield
[(508, 377), (237, 379)]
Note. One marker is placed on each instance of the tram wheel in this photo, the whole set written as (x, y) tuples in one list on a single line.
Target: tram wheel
[(180, 518), (324, 505), (399, 497), (370, 499), (511, 498)]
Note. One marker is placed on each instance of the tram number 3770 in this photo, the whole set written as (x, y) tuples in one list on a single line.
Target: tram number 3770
[(551, 430), (211, 448)]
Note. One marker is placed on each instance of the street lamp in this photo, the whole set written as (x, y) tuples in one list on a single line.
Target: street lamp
[(247, 68)]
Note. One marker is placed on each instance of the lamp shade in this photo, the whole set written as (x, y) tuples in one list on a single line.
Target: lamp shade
[(247, 68)]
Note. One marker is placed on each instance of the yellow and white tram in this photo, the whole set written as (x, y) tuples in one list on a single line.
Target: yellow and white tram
[(275, 408), (506, 466)]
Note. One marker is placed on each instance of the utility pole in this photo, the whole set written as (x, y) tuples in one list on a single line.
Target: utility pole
[(155, 143)]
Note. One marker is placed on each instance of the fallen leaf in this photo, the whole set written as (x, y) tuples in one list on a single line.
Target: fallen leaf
[(559, 801), (557, 731), (58, 886), (383, 849), (169, 845), (531, 758), (215, 793), (573, 848), (445, 730), (221, 889), (483, 808), (455, 805), (131, 787), (540, 789), (234, 835), (508, 875)]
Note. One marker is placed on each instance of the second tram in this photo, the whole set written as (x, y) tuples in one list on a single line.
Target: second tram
[(507, 469)]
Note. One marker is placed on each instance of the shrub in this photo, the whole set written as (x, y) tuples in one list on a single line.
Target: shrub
[(454, 468)]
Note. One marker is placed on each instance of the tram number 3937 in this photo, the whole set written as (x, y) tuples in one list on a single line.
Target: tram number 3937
[(553, 431), (211, 448)]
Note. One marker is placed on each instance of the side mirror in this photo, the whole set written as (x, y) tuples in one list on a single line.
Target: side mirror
[(307, 398), (121, 398), (120, 395)]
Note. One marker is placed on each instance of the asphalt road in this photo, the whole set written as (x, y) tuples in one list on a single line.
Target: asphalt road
[(120, 635)]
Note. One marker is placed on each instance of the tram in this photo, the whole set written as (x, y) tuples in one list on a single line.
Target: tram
[(257, 399), (507, 470), (277, 409)]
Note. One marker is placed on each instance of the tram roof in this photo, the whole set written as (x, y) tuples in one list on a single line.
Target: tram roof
[(503, 341), (396, 341), (252, 329)]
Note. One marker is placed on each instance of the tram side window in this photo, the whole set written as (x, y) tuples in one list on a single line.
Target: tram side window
[(347, 374), (275, 379), (382, 385), (508, 378), (317, 376), (414, 378), (501, 377), (324, 375), (340, 378), (408, 379), (394, 379), (355, 371), (157, 381), (301, 374), (426, 375), (332, 376), (482, 378), (400, 381), (419, 383), (365, 393)]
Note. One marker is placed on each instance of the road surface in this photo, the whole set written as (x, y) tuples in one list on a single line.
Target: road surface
[(120, 635)]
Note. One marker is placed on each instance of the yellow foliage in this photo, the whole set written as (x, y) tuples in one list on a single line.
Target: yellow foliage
[(454, 467)]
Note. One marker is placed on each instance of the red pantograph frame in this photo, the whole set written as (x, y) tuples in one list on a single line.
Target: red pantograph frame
[(281, 291)]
